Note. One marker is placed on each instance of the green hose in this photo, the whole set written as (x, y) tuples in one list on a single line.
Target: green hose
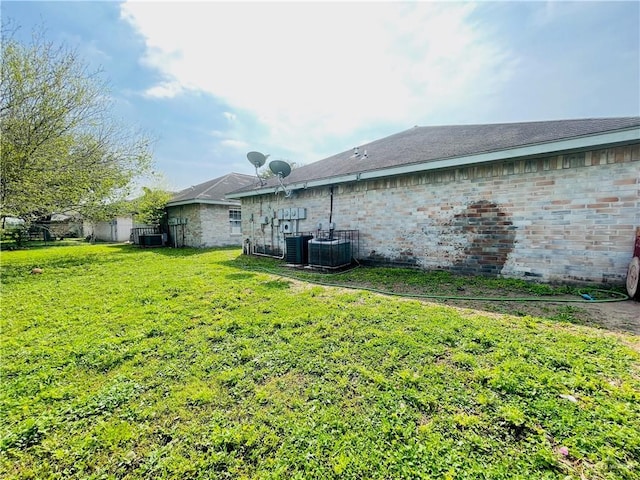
[(619, 297)]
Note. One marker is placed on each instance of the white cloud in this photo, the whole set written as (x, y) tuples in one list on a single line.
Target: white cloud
[(236, 144), (310, 71), (230, 116), (164, 90)]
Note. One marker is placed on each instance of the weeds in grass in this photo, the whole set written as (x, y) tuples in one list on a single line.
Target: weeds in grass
[(127, 363)]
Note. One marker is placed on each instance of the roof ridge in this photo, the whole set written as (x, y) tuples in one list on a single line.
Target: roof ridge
[(212, 189), (523, 122), (220, 180), (216, 181), (213, 185)]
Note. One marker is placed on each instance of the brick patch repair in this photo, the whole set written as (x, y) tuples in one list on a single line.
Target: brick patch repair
[(491, 237)]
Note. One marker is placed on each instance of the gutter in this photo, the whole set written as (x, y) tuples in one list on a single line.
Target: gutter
[(206, 202), (602, 140)]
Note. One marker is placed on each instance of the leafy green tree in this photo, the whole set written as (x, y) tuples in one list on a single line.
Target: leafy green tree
[(149, 208), (61, 150), (266, 172)]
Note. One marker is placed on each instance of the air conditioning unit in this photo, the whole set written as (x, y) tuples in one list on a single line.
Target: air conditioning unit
[(152, 240), (329, 253), (297, 250)]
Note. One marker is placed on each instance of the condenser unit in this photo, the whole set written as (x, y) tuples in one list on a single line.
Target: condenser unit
[(151, 240), (297, 250), (329, 253)]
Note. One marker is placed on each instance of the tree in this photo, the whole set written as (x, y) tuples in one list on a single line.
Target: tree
[(149, 208), (61, 150), (266, 172)]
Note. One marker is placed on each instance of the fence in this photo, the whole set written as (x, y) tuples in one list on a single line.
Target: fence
[(137, 232)]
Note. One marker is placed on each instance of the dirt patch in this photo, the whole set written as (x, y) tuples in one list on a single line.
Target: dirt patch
[(616, 316), (622, 317), (619, 316), (473, 293)]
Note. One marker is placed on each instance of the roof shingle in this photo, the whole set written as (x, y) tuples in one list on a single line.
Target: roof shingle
[(213, 191), (420, 145)]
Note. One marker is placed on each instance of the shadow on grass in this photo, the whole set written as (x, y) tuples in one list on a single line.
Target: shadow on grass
[(107, 253), (126, 248), (485, 295), (239, 276), (39, 244)]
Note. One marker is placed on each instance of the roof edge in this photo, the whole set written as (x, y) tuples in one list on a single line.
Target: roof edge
[(622, 136), (201, 201)]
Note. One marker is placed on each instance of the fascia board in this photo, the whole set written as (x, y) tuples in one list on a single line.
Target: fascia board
[(206, 202), (534, 150)]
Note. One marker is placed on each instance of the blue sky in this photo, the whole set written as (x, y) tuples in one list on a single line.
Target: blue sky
[(301, 81)]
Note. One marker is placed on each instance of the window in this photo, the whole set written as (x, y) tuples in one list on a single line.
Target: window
[(235, 220)]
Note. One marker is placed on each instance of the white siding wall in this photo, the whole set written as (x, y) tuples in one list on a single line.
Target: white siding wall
[(117, 230)]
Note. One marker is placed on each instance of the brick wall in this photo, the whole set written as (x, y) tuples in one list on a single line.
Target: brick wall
[(207, 225), (560, 218)]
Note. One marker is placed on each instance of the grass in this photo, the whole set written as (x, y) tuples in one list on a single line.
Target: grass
[(126, 363)]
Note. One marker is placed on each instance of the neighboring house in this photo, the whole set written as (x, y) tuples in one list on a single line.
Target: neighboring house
[(552, 200), (56, 226), (65, 226), (201, 216)]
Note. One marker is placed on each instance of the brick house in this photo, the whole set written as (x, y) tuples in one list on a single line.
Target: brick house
[(201, 216), (552, 200)]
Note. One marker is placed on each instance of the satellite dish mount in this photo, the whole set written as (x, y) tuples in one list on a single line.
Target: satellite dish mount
[(257, 159), (281, 169)]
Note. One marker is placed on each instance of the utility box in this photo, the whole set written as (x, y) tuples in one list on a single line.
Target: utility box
[(287, 226)]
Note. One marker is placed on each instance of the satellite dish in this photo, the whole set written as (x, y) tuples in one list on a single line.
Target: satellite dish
[(257, 159), (281, 168)]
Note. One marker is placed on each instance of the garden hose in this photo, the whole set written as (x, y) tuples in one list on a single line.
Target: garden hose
[(584, 297)]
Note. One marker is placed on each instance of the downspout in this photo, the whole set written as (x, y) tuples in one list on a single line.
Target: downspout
[(331, 205), (331, 214)]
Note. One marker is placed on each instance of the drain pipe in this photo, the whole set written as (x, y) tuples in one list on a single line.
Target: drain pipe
[(255, 246), (331, 214), (331, 205)]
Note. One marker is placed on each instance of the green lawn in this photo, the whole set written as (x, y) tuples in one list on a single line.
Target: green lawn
[(159, 363)]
